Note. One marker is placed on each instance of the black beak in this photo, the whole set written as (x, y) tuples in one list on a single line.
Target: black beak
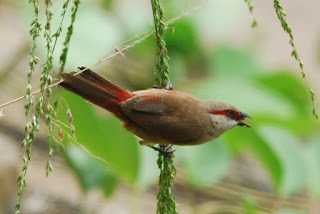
[(243, 116)]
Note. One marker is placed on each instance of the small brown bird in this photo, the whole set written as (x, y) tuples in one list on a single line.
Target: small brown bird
[(158, 115)]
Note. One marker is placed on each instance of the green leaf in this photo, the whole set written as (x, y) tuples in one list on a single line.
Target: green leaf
[(91, 172), (184, 39), (299, 124), (243, 94), (290, 87), (104, 137), (206, 163), (264, 106), (288, 150), (227, 61)]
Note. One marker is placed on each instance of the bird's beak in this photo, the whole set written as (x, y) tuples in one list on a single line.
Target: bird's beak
[(241, 118)]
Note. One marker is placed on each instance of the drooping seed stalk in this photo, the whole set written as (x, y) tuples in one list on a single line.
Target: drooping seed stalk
[(166, 201)]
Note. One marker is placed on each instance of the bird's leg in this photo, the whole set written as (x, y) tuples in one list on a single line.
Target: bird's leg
[(166, 150), (169, 86)]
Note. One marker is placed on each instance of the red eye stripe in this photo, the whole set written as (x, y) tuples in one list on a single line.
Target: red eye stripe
[(229, 113), (219, 112)]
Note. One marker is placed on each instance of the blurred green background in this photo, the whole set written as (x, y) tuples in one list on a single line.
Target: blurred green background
[(272, 168)]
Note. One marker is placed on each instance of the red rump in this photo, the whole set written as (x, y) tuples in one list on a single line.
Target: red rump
[(151, 98), (177, 92)]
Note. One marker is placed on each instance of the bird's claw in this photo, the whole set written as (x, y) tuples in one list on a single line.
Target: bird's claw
[(169, 86), (164, 150)]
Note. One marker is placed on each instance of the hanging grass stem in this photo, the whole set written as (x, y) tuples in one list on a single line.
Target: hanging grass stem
[(166, 200)]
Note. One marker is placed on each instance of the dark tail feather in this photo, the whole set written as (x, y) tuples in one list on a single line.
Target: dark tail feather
[(103, 83), (97, 90)]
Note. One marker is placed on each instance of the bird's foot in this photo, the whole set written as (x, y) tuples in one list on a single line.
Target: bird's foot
[(169, 86), (168, 150)]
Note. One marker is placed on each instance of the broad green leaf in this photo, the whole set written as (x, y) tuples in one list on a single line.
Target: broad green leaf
[(206, 163), (289, 86), (288, 150), (91, 172), (264, 106), (104, 137), (299, 124), (184, 39), (226, 61), (242, 93)]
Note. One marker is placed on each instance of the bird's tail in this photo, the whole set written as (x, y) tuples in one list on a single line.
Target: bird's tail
[(97, 90)]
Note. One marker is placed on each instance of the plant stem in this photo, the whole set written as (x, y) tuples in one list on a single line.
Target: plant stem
[(161, 54), (166, 200)]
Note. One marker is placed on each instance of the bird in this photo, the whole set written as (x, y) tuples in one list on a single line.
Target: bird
[(157, 115)]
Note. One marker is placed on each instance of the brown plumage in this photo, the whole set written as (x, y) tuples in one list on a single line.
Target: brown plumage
[(158, 115)]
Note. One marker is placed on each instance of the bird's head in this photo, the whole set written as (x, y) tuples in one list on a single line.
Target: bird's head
[(224, 116)]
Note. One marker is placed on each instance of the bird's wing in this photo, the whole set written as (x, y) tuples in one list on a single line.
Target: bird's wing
[(147, 104), (162, 116)]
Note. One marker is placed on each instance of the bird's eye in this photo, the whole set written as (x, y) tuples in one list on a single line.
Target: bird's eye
[(230, 113)]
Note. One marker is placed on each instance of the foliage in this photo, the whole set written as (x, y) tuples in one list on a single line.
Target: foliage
[(91, 172), (275, 139), (284, 138), (275, 131)]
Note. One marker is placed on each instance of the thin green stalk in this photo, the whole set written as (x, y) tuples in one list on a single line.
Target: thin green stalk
[(161, 54), (31, 127), (46, 80), (281, 16), (166, 201), (59, 30), (63, 57), (251, 7), (51, 111)]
